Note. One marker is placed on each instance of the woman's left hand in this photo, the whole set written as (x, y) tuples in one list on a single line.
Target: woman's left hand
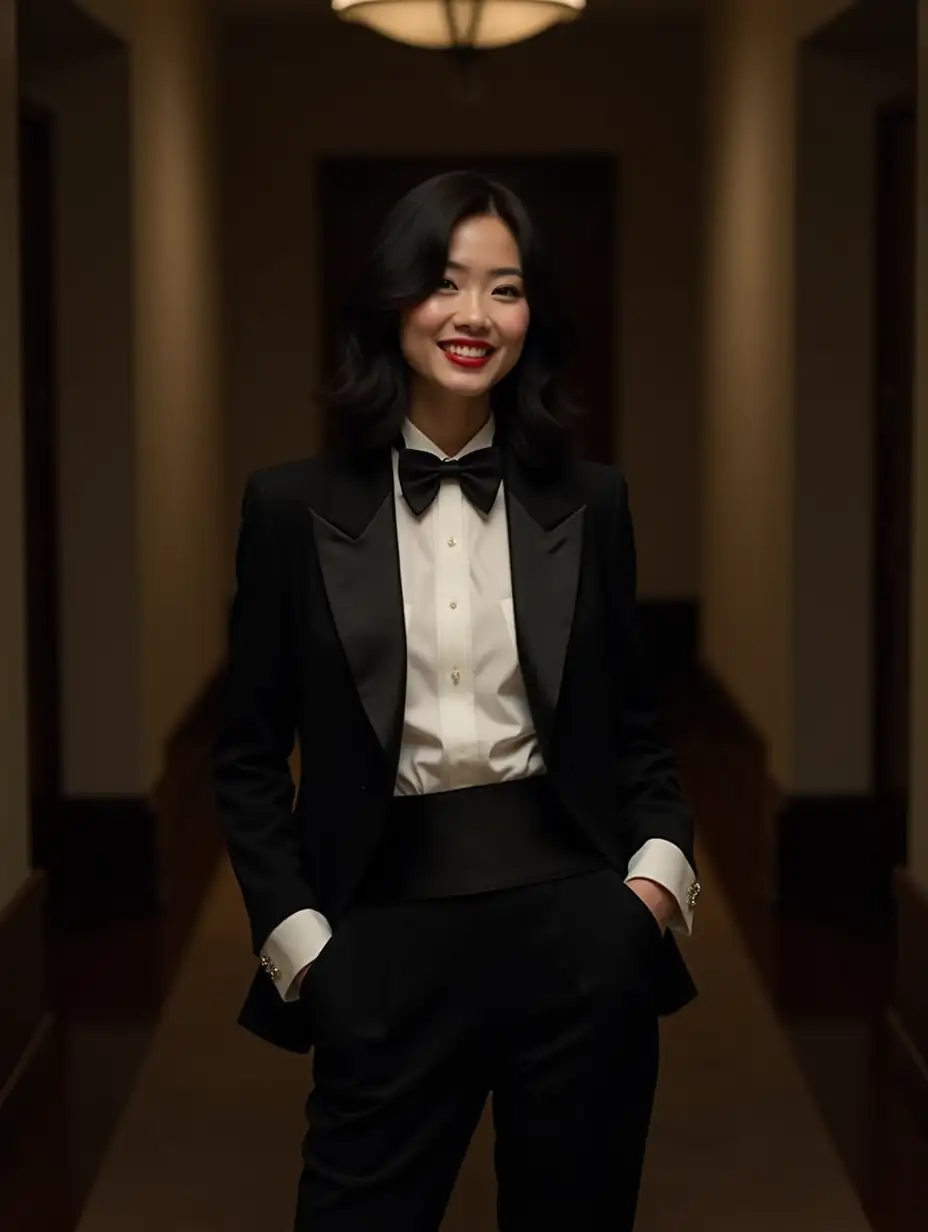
[(659, 901)]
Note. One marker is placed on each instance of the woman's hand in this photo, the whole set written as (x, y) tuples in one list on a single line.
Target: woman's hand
[(659, 901)]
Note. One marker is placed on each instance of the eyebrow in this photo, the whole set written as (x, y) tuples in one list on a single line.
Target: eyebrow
[(506, 271)]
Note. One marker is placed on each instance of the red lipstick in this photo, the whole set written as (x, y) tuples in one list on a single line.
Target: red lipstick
[(468, 353)]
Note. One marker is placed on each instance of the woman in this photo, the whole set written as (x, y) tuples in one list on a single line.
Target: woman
[(476, 888)]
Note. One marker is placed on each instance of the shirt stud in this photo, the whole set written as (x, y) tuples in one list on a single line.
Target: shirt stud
[(455, 676)]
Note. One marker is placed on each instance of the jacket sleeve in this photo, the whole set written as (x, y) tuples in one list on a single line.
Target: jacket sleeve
[(653, 813), (253, 785)]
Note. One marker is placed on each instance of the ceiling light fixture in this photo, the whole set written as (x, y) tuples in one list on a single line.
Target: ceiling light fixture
[(461, 26)]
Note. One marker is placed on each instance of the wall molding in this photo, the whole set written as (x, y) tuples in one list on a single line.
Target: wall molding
[(825, 855), (909, 1017), (670, 632), (135, 856), (741, 833), (837, 854), (26, 1022), (121, 892), (103, 860)]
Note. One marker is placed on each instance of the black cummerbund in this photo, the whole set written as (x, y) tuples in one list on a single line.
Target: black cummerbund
[(476, 839)]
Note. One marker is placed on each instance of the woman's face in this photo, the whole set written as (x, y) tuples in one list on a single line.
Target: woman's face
[(469, 333)]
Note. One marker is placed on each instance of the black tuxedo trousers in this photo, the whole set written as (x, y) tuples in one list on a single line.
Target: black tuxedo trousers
[(541, 997)]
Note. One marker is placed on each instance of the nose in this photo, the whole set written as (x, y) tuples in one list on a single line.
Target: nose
[(472, 314)]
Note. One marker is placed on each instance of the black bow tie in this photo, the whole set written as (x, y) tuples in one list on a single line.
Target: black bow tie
[(479, 474)]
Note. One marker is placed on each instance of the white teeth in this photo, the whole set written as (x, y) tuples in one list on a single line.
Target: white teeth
[(469, 352)]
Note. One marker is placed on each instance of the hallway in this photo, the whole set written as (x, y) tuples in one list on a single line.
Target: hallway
[(175, 230), (210, 1138)]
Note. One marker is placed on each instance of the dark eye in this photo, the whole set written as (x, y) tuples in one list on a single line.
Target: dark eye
[(509, 292), (446, 285)]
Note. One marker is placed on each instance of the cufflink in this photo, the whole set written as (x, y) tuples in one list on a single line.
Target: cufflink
[(692, 894), (270, 967)]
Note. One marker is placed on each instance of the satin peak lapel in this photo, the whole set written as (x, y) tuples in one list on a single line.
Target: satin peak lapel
[(355, 531), (545, 545)]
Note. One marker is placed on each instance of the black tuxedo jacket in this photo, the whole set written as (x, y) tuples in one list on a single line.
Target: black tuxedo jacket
[(318, 651)]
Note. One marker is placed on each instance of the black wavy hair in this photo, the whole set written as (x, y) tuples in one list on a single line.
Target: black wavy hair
[(369, 395)]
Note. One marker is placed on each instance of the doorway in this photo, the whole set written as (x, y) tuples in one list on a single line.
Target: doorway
[(574, 202), (894, 354), (37, 264)]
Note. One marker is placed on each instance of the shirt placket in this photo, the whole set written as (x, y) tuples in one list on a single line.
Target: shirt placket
[(456, 699)]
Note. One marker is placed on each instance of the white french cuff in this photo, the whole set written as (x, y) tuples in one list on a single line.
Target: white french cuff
[(662, 861), (296, 941)]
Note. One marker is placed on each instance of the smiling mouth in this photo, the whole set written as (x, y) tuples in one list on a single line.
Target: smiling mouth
[(468, 354), (468, 350)]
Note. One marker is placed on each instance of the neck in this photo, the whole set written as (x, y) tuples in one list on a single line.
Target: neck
[(447, 419)]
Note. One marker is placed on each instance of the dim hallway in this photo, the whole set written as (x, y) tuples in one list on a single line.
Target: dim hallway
[(210, 1136)]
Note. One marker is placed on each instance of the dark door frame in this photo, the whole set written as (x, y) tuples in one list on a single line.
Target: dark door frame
[(892, 426), (40, 469)]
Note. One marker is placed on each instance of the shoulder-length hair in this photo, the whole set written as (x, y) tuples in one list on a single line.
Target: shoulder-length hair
[(369, 396)]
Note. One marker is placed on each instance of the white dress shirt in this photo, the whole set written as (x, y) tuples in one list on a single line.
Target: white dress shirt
[(467, 720)]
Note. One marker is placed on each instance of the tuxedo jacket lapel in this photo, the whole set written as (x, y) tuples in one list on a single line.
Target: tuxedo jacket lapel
[(546, 521), (354, 526)]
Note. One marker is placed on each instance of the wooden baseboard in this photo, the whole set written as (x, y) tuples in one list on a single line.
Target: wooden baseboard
[(830, 856), (133, 857), (25, 1023), (907, 1068), (126, 880), (835, 855), (910, 1000), (103, 860), (670, 631), (900, 1129), (739, 832)]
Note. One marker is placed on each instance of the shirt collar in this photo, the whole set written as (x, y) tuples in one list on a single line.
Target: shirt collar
[(416, 439)]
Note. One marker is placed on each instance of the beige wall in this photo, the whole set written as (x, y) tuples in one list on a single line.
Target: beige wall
[(179, 433), (180, 441), (787, 532), (748, 479), (832, 700), (291, 94), (14, 822), (101, 714), (918, 807)]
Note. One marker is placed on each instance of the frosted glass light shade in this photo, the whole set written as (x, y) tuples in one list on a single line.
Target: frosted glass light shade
[(458, 23)]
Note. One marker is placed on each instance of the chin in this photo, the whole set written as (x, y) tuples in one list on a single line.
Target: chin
[(468, 384), (470, 389)]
